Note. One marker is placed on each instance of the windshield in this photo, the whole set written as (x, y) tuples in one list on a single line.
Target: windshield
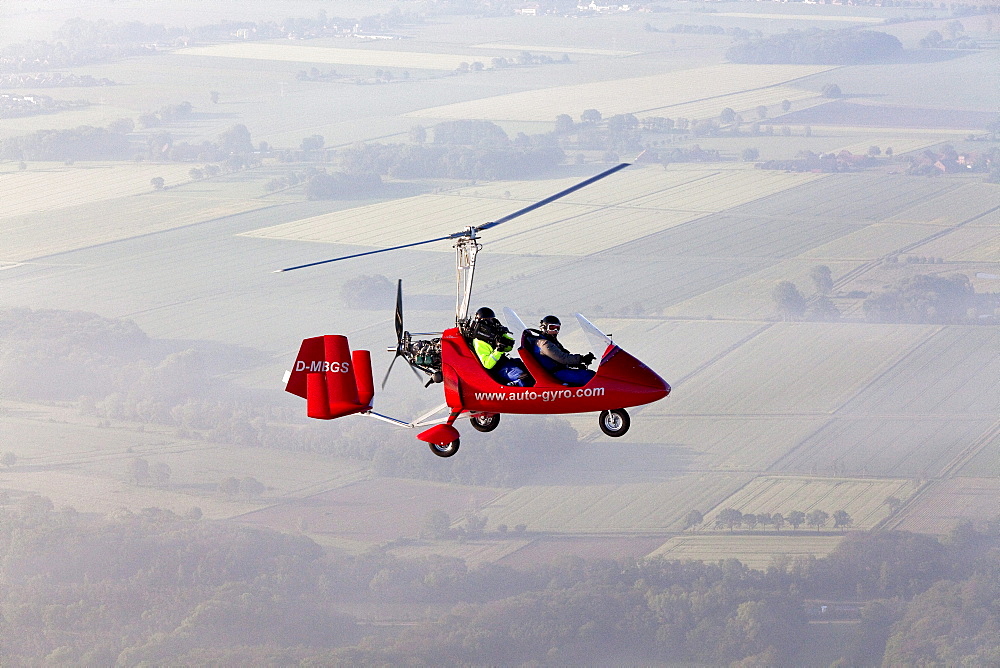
[(599, 341), (514, 323)]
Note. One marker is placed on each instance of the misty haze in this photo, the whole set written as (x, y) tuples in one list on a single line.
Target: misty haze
[(805, 245)]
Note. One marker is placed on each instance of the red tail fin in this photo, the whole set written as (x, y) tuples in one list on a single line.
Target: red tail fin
[(333, 382)]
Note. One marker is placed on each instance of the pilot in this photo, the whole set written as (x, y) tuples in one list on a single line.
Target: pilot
[(491, 342), (567, 367)]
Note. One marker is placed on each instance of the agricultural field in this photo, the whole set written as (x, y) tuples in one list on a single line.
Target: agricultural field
[(641, 507), (30, 236), (720, 443), (968, 244), (473, 552), (970, 202), (802, 369), (646, 200), (863, 499), (885, 446), (372, 511), (367, 57), (641, 94), (52, 186), (758, 551), (552, 548), (75, 462), (953, 373), (744, 103), (947, 503), (871, 243)]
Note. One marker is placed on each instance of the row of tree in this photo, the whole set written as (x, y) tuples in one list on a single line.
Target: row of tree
[(732, 519)]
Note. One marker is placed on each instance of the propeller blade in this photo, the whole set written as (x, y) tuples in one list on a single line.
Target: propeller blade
[(380, 250), (417, 374), (389, 370), (552, 198), (399, 311)]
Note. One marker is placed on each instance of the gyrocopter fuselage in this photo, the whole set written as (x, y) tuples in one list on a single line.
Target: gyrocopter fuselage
[(336, 382)]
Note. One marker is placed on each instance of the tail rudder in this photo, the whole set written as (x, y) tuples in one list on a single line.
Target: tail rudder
[(333, 382)]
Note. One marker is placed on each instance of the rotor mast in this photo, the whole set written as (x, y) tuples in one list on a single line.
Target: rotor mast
[(466, 248)]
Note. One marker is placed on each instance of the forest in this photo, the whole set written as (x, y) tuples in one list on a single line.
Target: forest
[(150, 587), (820, 47)]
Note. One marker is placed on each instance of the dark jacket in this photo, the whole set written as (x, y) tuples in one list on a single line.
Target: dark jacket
[(552, 355)]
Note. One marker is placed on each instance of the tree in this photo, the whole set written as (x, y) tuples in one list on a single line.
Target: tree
[(841, 520), (312, 143), (230, 486), (214, 95), (893, 503), (727, 116), (236, 141), (790, 302), (160, 472), (693, 518), (822, 279), (564, 124), (750, 154), (138, 470), (817, 518), (824, 310), (8, 459), (786, 105), (831, 90), (251, 488), (778, 520), (157, 182), (729, 517), (418, 134), (196, 174), (762, 112), (796, 518), (874, 151), (437, 525), (591, 116)]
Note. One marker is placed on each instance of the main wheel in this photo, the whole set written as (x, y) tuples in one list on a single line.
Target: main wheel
[(445, 449), (614, 423), (485, 422)]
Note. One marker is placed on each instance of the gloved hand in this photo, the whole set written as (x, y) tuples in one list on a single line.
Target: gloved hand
[(587, 359)]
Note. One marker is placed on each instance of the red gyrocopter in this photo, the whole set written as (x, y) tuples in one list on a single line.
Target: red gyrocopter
[(336, 382)]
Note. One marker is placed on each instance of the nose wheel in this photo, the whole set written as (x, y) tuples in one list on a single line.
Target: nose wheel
[(615, 422)]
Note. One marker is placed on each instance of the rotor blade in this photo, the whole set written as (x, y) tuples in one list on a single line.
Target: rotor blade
[(380, 250), (399, 311), (552, 198), (389, 370)]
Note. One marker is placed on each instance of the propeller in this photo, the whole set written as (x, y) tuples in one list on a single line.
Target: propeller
[(471, 230), (402, 337)]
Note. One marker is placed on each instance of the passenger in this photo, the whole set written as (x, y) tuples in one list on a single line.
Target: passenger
[(568, 368), (491, 342)]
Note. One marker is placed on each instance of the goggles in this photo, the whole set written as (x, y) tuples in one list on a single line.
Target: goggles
[(551, 328)]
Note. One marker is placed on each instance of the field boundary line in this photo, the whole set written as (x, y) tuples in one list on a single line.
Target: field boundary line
[(946, 473), (867, 266), (34, 260), (745, 90)]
